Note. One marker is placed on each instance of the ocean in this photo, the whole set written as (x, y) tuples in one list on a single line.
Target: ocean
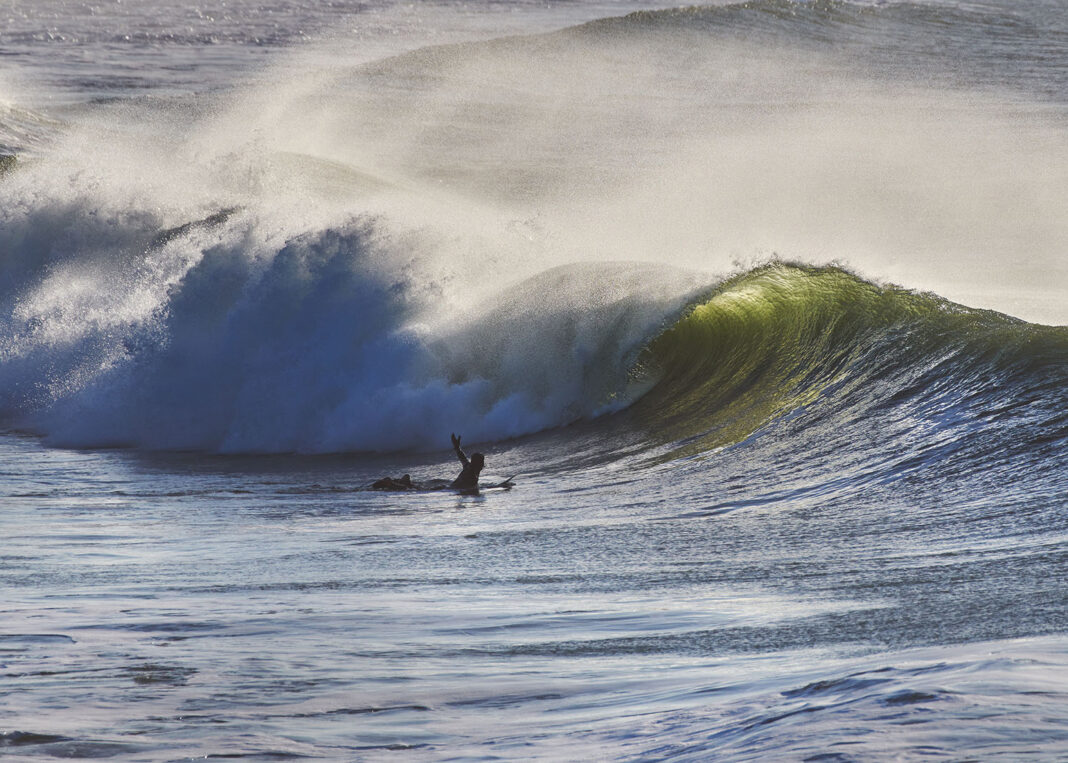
[(763, 307)]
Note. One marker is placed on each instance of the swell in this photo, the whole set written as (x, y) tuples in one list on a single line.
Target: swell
[(1021, 46), (786, 337)]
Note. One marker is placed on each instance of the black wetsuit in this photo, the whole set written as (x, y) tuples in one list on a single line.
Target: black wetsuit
[(468, 478)]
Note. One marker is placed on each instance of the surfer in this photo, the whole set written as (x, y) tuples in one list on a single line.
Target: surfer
[(468, 478), (388, 483), (467, 481)]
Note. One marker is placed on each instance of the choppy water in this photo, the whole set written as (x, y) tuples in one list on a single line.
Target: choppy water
[(163, 607), (254, 257)]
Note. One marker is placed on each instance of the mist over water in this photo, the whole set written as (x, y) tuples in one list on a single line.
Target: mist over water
[(763, 302)]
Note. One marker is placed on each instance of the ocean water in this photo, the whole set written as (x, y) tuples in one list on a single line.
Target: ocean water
[(765, 305)]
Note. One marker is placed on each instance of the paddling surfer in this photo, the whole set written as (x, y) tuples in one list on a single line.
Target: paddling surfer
[(388, 483), (468, 479)]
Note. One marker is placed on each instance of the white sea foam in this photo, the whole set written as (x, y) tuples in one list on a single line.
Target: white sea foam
[(242, 334)]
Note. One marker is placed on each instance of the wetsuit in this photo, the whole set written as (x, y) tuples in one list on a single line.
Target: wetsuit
[(468, 478)]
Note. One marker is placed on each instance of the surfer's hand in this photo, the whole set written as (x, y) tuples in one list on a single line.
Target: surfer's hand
[(455, 441)]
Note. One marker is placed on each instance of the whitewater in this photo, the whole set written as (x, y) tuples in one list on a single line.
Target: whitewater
[(763, 302)]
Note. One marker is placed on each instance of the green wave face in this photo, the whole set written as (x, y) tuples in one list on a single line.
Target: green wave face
[(777, 338)]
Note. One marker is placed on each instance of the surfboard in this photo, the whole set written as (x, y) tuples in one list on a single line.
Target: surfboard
[(506, 483), (394, 485)]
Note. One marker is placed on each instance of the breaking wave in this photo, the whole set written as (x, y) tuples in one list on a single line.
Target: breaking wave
[(216, 336)]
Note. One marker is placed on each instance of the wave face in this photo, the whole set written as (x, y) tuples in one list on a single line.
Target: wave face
[(885, 372)]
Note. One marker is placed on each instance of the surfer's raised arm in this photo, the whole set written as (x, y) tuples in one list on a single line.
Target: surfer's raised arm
[(459, 453)]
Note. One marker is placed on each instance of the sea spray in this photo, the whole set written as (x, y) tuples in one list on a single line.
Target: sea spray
[(224, 338)]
